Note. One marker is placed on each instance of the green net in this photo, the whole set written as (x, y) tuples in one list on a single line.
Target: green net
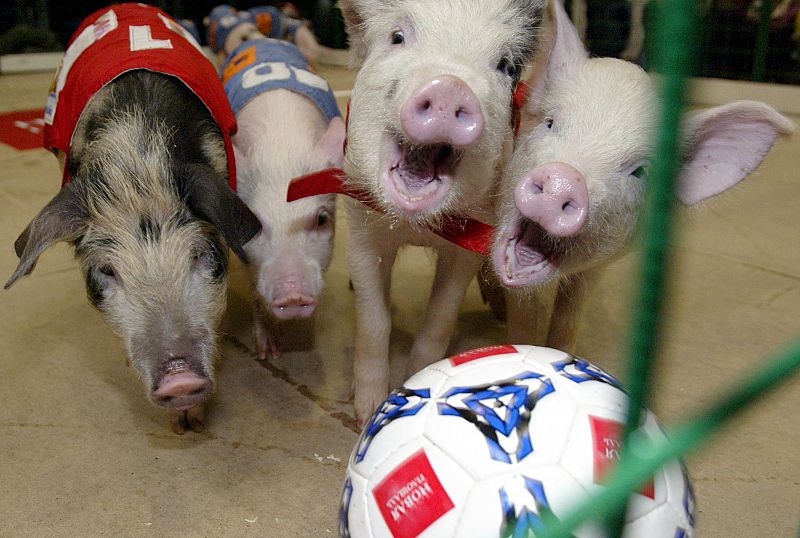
[(673, 54)]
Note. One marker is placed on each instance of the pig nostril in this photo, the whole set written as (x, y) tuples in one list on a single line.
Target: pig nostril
[(569, 208), (425, 106), (536, 188), (198, 390)]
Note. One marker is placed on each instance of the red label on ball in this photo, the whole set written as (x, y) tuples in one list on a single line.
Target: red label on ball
[(475, 354), (607, 435), (412, 498)]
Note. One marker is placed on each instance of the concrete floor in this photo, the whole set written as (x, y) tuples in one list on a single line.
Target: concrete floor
[(84, 454)]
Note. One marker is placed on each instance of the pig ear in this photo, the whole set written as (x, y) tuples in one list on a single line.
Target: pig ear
[(210, 198), (562, 51), (60, 220), (330, 147), (354, 13), (724, 144)]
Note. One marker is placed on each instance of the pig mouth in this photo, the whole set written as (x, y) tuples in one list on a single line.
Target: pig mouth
[(418, 178), (294, 306), (524, 257)]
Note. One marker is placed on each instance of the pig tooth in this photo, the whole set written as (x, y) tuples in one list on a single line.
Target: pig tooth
[(509, 259)]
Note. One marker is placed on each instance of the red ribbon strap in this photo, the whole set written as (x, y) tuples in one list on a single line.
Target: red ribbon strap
[(465, 232)]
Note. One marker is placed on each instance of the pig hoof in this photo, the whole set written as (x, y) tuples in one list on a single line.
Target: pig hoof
[(267, 349), (265, 339), (189, 419), (177, 421), (196, 417), (365, 405), (265, 343)]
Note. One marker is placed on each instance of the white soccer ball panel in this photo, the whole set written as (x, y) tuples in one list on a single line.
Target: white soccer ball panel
[(663, 522), (680, 493), (494, 415), (414, 492), (430, 377), (590, 385), (543, 356), (353, 519)]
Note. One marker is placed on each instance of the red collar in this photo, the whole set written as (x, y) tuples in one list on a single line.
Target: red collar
[(519, 100), (465, 232)]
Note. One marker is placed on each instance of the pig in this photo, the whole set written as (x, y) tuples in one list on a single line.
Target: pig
[(430, 121), (574, 189), (289, 125), (146, 199), (227, 28)]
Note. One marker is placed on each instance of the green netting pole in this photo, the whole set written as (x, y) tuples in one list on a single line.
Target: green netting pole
[(673, 53), (762, 42), (644, 457)]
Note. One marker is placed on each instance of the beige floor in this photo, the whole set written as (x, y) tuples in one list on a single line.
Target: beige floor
[(82, 453)]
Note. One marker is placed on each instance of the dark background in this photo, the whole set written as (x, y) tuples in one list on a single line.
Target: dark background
[(727, 49), (48, 24)]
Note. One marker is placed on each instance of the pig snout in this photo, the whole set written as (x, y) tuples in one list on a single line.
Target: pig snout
[(443, 111), (292, 301), (556, 197), (181, 387)]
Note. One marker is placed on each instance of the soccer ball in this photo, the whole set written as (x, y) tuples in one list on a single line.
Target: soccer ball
[(485, 442)]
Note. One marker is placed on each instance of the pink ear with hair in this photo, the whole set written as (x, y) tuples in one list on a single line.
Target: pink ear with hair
[(331, 146), (354, 13), (725, 144), (561, 51)]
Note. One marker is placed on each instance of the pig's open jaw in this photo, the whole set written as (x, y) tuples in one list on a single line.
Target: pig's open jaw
[(522, 258), (417, 179)]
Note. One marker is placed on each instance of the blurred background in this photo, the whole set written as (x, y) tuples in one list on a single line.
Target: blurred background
[(756, 40), (45, 26)]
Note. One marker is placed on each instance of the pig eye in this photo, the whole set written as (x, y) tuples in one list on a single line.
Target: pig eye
[(641, 172), (201, 259), (548, 122), (398, 38), (323, 218), (108, 271), (508, 68), (210, 260)]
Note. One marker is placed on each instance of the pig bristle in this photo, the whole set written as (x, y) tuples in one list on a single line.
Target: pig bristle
[(167, 293)]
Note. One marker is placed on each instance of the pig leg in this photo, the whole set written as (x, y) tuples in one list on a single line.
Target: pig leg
[(491, 291), (265, 332), (371, 259), (192, 418), (307, 44), (633, 48), (570, 303), (527, 315), (455, 268)]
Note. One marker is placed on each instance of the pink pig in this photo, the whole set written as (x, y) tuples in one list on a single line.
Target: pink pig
[(431, 121), (574, 189), (289, 125)]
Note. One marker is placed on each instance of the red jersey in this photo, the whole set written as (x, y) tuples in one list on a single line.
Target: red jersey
[(121, 38)]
